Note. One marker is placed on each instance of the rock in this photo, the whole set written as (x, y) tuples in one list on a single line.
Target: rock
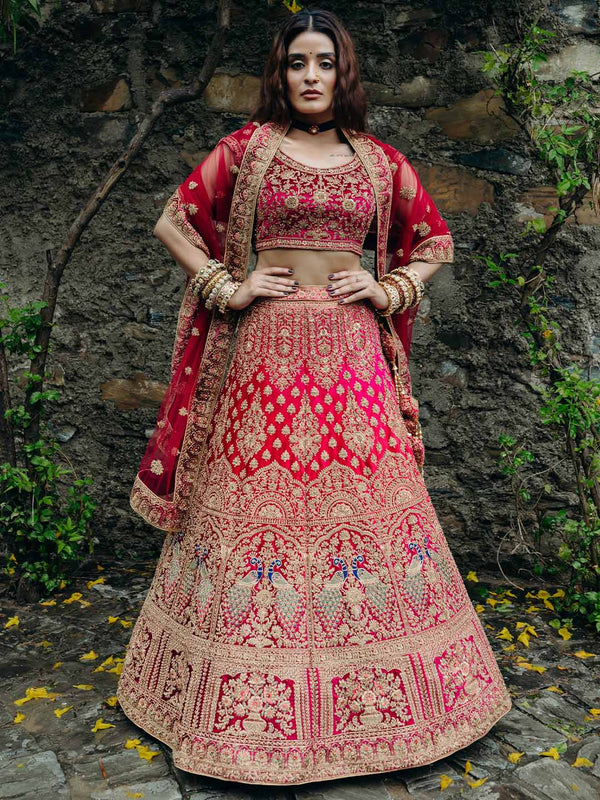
[(112, 95), (136, 392), (425, 45), (454, 189), (579, 17), (537, 201), (33, 775), (404, 16), (453, 375), (583, 56), (143, 333), (557, 780), (480, 118), (118, 6), (234, 93), (498, 160), (166, 789), (526, 734), (419, 91)]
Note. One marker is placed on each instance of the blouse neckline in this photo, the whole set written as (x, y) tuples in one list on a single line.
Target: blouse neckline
[(280, 156)]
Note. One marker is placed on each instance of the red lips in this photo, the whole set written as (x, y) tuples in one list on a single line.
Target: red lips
[(311, 92)]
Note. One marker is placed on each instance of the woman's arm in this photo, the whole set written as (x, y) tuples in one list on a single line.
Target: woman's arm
[(189, 257), (425, 269)]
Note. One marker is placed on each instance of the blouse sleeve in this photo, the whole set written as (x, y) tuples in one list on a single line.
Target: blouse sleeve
[(426, 236), (197, 207)]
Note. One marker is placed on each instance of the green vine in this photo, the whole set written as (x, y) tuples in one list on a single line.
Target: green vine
[(45, 510), (563, 124)]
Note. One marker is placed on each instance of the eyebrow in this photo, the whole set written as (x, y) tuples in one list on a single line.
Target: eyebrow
[(319, 55)]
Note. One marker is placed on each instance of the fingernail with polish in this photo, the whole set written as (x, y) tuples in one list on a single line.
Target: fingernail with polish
[(290, 270)]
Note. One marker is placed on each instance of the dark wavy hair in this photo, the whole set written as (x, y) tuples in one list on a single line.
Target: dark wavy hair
[(349, 99)]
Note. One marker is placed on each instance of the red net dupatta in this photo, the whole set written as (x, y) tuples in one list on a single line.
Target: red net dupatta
[(214, 210)]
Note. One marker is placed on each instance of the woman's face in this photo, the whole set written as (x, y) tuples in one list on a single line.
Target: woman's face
[(311, 64)]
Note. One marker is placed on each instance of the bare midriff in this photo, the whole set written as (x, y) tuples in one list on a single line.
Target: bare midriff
[(311, 267)]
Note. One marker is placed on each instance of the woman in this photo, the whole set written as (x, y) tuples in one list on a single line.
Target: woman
[(306, 620)]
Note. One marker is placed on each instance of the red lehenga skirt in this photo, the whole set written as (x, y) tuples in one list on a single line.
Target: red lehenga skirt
[(309, 622)]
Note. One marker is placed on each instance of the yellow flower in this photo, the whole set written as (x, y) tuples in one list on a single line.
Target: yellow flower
[(100, 725), (445, 782), (552, 752), (547, 333)]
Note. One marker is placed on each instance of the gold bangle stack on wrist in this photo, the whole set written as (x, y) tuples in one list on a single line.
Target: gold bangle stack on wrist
[(214, 284), (404, 289)]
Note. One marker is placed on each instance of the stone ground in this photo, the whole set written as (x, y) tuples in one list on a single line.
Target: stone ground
[(554, 682)]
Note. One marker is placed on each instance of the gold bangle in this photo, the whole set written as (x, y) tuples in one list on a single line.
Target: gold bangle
[(225, 294), (210, 283), (223, 280)]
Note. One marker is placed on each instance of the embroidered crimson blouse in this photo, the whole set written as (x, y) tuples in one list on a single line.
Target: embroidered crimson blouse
[(315, 208)]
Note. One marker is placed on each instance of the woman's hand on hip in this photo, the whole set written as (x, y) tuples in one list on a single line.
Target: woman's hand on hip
[(356, 285), (263, 282)]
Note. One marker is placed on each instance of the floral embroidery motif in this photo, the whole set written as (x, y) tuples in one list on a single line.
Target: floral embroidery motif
[(192, 184), (157, 467), (422, 227), (407, 192), (365, 698), (255, 703)]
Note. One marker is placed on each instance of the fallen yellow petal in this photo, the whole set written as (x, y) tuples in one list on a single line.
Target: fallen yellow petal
[(510, 594), (12, 621), (476, 784), (60, 711), (491, 602), (505, 634), (552, 752), (134, 794), (445, 782), (85, 686), (554, 689), (131, 743), (100, 725), (145, 752), (531, 609), (523, 638), (582, 762), (35, 693), (479, 608), (19, 717), (467, 768), (112, 701), (565, 633), (74, 596), (89, 656), (595, 712), (514, 757), (91, 584), (48, 602), (543, 594), (126, 623), (472, 576), (583, 654), (559, 593), (112, 619), (117, 670), (549, 605), (57, 664)]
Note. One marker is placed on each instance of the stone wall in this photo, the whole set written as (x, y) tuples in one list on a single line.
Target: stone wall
[(70, 100)]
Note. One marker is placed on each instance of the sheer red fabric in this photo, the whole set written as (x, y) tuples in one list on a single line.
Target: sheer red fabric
[(214, 209)]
